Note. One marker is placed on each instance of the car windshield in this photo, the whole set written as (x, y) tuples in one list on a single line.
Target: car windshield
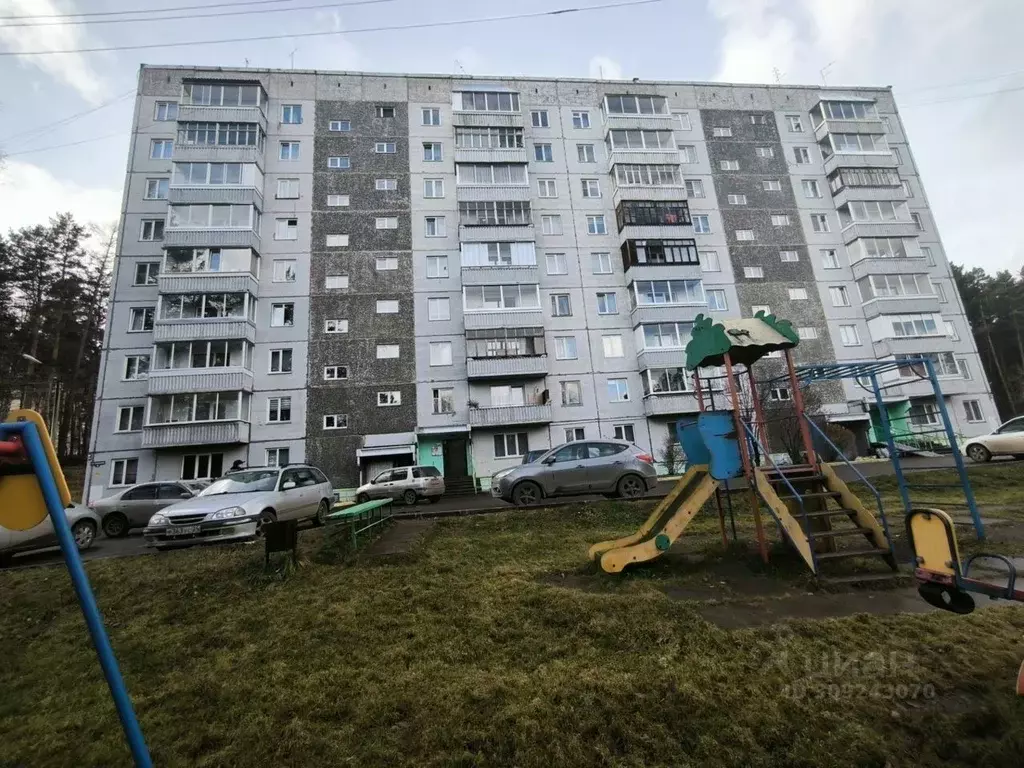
[(244, 482)]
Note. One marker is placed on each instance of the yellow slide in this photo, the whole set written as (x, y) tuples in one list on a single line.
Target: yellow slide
[(664, 525)]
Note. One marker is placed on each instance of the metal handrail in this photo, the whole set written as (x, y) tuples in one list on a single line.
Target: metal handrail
[(863, 479), (803, 510)]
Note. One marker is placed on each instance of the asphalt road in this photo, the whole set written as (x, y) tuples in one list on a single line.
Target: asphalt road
[(453, 505)]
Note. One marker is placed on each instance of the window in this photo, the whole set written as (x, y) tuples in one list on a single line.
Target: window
[(897, 156), (694, 188), (906, 188), (546, 188), (929, 257), (810, 187), (830, 259), (124, 471), (146, 272), (789, 256), (591, 187), (565, 348), (129, 418), (387, 306), (388, 148), (439, 308), (780, 394), (585, 153), (161, 149), (277, 457), (801, 156), (384, 112), (510, 445), (795, 122), (572, 392), (636, 105), (339, 162), (165, 111), (335, 372), (972, 410), (807, 332), (291, 114), (385, 185), (388, 398), (289, 150), (745, 234), (434, 226), (335, 421), (433, 188), (152, 230), (753, 273), (913, 325), (431, 152), (771, 185), (701, 224), (156, 189), (556, 264), (443, 400), (924, 414), (764, 309), (280, 361), (286, 229), (601, 263), (798, 294), (560, 305), (607, 304), (682, 121), (709, 261), (575, 433), (339, 126), (780, 219), (918, 222), (612, 346), (539, 118), (437, 266), (951, 331), (618, 390), (819, 222), (849, 335), (736, 199), (387, 351), (895, 286), (721, 132), (337, 201), (580, 119), (500, 297), (386, 263), (282, 315), (336, 241), (440, 353), (766, 153), (639, 139), (652, 213), (335, 326), (287, 189), (430, 116), (136, 367), (596, 225), (717, 300), (839, 295), (729, 165), (658, 292), (279, 409), (386, 222), (687, 154), (551, 224)]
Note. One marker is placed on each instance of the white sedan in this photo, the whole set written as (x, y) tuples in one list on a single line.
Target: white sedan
[(84, 525), (1005, 440)]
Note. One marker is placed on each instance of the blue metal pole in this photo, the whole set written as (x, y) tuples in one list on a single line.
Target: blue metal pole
[(37, 455), (958, 459), (894, 455)]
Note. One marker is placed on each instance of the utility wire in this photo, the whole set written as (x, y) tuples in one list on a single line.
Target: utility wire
[(323, 33), (289, 9), (141, 10), (61, 146), (962, 82), (966, 96), (41, 129)]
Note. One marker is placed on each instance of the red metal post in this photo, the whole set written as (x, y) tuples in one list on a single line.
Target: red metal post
[(760, 425), (696, 384), (798, 405), (748, 471)]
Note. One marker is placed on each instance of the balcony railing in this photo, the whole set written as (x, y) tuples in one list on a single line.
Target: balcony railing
[(509, 318), (524, 367), (666, 313), (212, 329), (494, 275), (204, 433), (490, 234), (661, 358), (493, 192), (491, 155), (505, 415), (900, 304), (211, 238), (185, 380), (481, 119), (205, 113), (878, 229), (847, 194), (859, 160), (888, 266), (670, 404), (218, 153), (907, 345), (859, 125), (208, 282), (215, 193)]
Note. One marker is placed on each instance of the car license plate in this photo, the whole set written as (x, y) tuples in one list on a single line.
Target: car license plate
[(183, 530)]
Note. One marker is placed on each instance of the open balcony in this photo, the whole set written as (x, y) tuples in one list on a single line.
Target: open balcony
[(175, 381), (508, 415), (199, 433), (520, 367)]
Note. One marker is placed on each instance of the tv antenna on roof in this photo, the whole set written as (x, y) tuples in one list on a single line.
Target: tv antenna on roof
[(460, 68), (292, 56), (824, 70), (777, 75)]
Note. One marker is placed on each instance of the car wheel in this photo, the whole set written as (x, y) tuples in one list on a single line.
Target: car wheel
[(84, 532), (266, 516), (409, 497), (362, 498), (321, 513), (978, 453), (115, 525), (526, 493), (630, 487)]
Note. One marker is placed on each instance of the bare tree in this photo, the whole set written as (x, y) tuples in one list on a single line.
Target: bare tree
[(671, 454)]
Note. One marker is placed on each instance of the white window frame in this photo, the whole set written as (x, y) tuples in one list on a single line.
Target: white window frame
[(336, 282), (435, 223), (385, 184), (439, 308), (849, 331), (709, 261), (551, 224), (339, 126), (621, 393), (389, 351), (389, 398), (335, 325), (547, 185), (718, 292), (612, 346), (339, 162), (701, 224), (336, 373), (121, 476), (440, 354), (433, 189), (556, 264), (596, 225), (385, 147), (580, 119), (338, 201), (388, 306), (430, 116), (694, 188), (753, 273), (598, 260), (798, 294), (276, 407), (386, 263), (280, 356), (968, 416), (591, 188), (131, 409), (437, 263), (335, 421), (839, 291)]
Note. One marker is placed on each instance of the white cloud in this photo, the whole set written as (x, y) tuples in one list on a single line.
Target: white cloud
[(73, 69), (29, 195), (604, 68)]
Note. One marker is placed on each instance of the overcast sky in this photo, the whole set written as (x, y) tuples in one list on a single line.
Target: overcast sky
[(957, 69)]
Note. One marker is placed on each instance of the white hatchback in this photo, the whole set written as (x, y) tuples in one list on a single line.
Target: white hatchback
[(1007, 439)]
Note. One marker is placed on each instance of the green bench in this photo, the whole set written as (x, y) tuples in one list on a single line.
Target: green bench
[(362, 517)]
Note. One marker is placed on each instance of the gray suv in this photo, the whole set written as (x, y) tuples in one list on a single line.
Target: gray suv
[(609, 467)]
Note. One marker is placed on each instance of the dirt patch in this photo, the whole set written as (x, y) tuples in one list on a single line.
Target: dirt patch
[(401, 538)]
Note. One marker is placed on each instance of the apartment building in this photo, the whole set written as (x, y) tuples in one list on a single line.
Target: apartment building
[(368, 270)]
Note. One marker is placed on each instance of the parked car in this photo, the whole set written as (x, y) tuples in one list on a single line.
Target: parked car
[(84, 522), (236, 507), (410, 484), (531, 456), (609, 467), (1006, 439), (132, 507)]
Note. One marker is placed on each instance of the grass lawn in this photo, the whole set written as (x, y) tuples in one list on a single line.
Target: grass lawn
[(495, 644), (997, 488)]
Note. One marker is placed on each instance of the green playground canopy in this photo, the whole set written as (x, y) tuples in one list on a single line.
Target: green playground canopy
[(746, 340)]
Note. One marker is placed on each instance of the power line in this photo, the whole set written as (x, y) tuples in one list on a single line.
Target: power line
[(141, 10), (201, 16), (41, 129), (61, 146), (962, 98), (323, 33), (963, 82)]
